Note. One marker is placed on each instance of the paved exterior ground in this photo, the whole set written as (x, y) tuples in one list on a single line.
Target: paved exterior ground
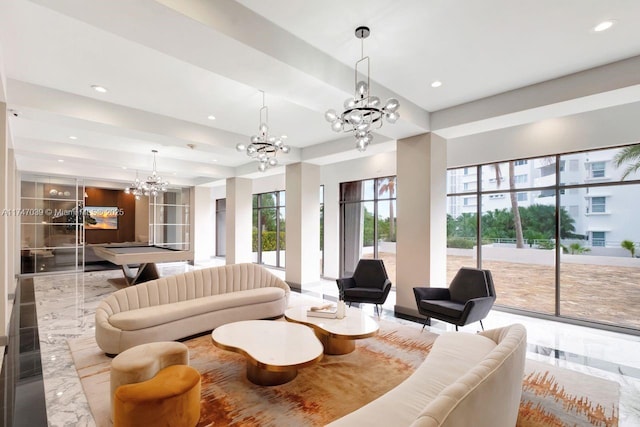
[(605, 294)]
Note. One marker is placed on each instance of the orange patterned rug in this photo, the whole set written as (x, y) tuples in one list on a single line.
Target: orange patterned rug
[(559, 397), (338, 385)]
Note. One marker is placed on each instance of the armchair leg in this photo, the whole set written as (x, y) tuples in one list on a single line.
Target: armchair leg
[(481, 325), (456, 328), (377, 310), (426, 320)]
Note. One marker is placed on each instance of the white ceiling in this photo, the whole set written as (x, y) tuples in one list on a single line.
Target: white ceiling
[(168, 64)]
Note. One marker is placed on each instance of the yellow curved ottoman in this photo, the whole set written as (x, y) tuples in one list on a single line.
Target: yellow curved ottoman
[(143, 362), (171, 398)]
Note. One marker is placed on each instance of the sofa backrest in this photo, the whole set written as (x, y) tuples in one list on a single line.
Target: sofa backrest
[(488, 394), (193, 284)]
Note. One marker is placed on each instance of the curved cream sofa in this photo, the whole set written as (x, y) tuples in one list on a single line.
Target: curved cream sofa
[(186, 304), (466, 380)]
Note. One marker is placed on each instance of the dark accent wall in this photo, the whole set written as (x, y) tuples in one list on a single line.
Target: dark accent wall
[(126, 223)]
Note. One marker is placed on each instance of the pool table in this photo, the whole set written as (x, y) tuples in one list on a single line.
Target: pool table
[(144, 256)]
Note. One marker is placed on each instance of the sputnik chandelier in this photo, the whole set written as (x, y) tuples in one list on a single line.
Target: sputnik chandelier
[(264, 147), (363, 113), (152, 186)]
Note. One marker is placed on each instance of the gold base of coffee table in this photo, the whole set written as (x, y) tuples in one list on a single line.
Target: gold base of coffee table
[(263, 376), (335, 345)]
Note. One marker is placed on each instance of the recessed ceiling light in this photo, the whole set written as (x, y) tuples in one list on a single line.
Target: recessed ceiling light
[(60, 160), (124, 167), (436, 83), (99, 88), (73, 137), (604, 25), (211, 117), (214, 160), (284, 136)]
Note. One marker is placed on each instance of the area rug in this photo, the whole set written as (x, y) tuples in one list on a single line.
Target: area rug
[(553, 396), (338, 385)]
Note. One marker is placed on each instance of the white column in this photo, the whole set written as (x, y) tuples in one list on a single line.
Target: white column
[(422, 217), (239, 225), (303, 224), (204, 220)]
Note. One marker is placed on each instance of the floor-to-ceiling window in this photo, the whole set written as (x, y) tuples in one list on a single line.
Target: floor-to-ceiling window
[(558, 232), (269, 229), (368, 218)]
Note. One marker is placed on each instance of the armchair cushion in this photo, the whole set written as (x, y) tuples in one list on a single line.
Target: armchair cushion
[(365, 292), (446, 308)]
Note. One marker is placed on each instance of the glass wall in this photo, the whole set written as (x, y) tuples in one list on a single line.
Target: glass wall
[(169, 219), (368, 218), (269, 229), (51, 226), (557, 232)]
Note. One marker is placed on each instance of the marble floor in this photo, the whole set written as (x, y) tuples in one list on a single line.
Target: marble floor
[(66, 306)]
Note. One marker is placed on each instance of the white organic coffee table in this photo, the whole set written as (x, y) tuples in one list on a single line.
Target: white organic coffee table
[(274, 350), (337, 335)]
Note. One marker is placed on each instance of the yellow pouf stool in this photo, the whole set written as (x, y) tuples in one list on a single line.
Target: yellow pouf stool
[(171, 398)]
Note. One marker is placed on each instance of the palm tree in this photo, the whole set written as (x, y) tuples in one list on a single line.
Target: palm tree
[(517, 221), (630, 246), (630, 154)]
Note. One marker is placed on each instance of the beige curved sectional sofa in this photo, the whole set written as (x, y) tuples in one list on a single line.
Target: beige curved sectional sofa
[(179, 306), (466, 380)]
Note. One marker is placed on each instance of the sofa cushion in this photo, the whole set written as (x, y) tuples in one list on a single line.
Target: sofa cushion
[(446, 308), (157, 315)]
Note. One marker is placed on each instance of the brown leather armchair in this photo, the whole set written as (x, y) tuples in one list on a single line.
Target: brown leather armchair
[(468, 299)]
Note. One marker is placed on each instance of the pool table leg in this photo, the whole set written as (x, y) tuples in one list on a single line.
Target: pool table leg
[(146, 272)]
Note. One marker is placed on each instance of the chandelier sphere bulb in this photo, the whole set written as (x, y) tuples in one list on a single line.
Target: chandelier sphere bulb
[(349, 103), (374, 101), (392, 105), (337, 125), (286, 149), (241, 147), (262, 167), (362, 89), (392, 117), (273, 161), (331, 115)]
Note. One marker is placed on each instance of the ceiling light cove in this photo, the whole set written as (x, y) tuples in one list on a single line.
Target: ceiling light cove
[(436, 83), (604, 26), (100, 89)]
